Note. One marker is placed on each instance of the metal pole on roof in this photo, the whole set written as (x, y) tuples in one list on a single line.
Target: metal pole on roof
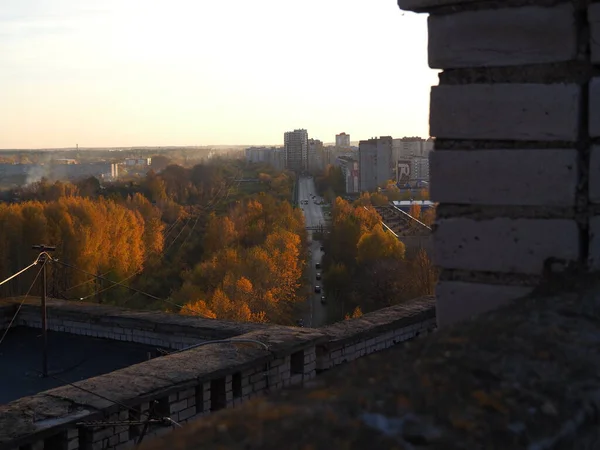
[(43, 259)]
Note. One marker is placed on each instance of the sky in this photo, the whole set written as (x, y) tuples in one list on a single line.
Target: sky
[(125, 73)]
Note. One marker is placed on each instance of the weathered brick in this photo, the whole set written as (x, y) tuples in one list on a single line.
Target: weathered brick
[(594, 118), (594, 20), (527, 112), (594, 249), (504, 245), (504, 177), (457, 301), (502, 37)]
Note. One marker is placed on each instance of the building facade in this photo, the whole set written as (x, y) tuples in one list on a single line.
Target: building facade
[(413, 151), (315, 149), (266, 155), (295, 144), (342, 140), (375, 163), (350, 169)]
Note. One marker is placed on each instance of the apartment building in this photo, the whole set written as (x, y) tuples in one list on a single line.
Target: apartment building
[(350, 169), (342, 140), (266, 155), (414, 152), (375, 163), (295, 145), (315, 149)]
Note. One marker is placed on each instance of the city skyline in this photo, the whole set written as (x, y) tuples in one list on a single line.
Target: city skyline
[(188, 74)]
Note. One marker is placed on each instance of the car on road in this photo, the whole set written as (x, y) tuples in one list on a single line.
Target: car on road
[(323, 301), (322, 248), (318, 276), (317, 265), (317, 289)]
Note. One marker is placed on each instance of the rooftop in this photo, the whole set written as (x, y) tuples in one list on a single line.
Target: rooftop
[(70, 358)]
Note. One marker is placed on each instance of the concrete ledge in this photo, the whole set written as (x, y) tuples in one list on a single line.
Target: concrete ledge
[(195, 382), (85, 318), (378, 322), (498, 379)]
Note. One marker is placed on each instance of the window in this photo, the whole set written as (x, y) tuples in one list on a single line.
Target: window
[(297, 363)]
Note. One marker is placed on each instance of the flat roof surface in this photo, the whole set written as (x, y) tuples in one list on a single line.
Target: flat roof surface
[(70, 357)]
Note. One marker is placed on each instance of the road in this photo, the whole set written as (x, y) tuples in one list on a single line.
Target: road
[(316, 315)]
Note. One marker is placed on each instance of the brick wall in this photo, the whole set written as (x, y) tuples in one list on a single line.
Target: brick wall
[(516, 165), (144, 327), (190, 384)]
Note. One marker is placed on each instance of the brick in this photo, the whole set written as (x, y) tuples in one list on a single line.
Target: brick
[(505, 177), (594, 21), (502, 37), (504, 245), (527, 112), (594, 175), (594, 119), (594, 249), (456, 301)]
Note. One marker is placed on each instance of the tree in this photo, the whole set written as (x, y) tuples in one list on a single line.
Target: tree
[(378, 245), (355, 314), (415, 211), (428, 216)]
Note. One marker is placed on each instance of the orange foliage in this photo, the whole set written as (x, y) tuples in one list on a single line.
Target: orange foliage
[(254, 267)]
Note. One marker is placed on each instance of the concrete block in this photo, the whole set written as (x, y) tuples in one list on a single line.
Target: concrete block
[(504, 245), (456, 301), (594, 249), (594, 21), (502, 37), (504, 177), (594, 118), (526, 112), (425, 5), (594, 175)]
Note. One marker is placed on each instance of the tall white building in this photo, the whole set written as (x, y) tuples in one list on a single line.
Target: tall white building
[(375, 163), (295, 146), (342, 140)]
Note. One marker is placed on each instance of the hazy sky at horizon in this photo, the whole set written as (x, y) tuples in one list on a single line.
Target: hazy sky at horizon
[(199, 72)]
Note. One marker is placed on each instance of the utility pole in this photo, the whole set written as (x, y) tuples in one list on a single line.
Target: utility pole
[(44, 259)]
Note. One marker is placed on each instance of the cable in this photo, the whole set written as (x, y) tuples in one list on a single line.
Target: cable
[(86, 282), (115, 283), (20, 271), (22, 301)]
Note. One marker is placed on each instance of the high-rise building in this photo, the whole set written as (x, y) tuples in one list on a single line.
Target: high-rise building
[(342, 140), (350, 170), (315, 149), (295, 146), (412, 151), (375, 163)]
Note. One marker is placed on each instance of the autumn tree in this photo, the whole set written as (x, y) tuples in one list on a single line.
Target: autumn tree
[(378, 245)]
